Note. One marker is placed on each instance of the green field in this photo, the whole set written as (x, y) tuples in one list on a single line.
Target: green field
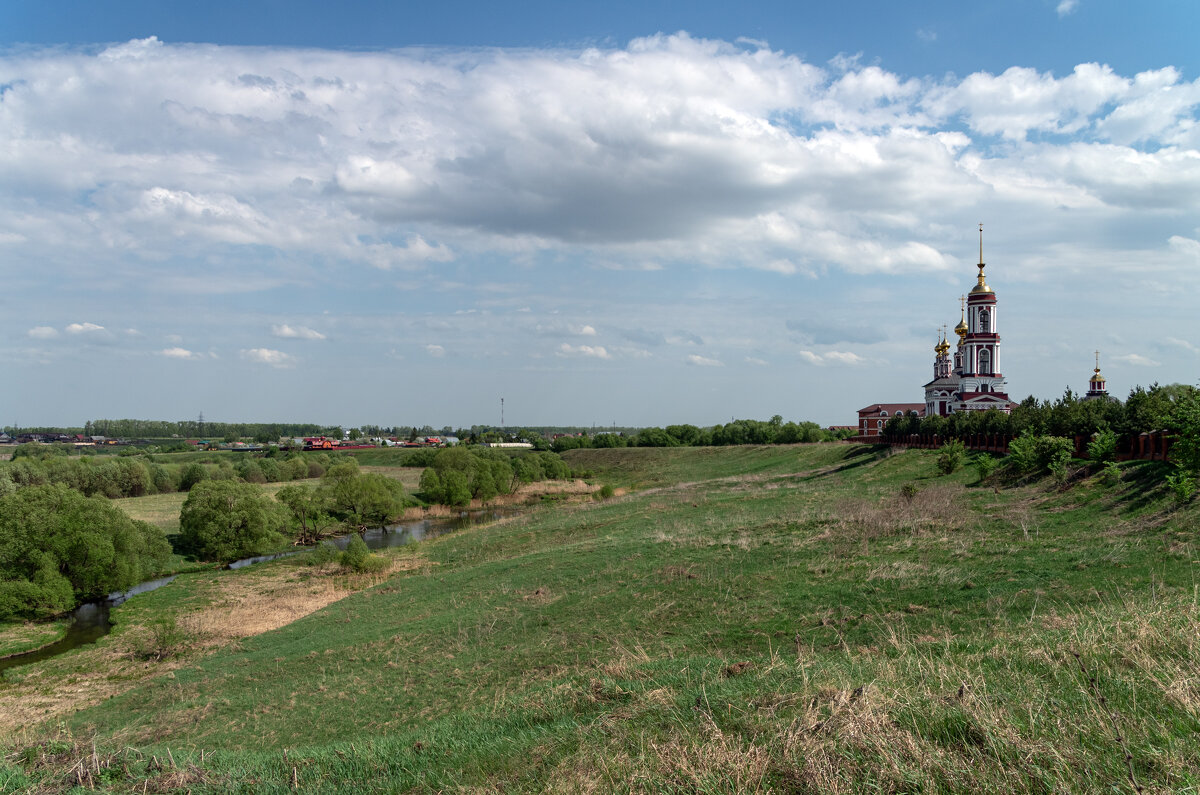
[(820, 618)]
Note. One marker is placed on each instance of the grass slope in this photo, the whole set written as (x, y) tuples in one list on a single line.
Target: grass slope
[(760, 619)]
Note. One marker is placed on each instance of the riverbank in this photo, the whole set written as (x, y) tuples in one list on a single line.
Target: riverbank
[(25, 637), (164, 630)]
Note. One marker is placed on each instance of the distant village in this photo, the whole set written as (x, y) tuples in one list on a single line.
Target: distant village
[(80, 440)]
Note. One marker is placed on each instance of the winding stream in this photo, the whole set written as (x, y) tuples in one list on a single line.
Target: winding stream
[(91, 621)]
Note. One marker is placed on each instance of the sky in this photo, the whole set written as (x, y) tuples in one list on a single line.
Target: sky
[(604, 213)]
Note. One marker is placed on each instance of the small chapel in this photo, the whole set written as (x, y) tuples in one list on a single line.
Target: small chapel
[(970, 379)]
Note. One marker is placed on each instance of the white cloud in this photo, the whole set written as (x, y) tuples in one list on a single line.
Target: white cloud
[(585, 331), (84, 328), (704, 361), (756, 361), (178, 353), (1184, 344), (435, 350), (1136, 359), (843, 357), (1066, 7), (269, 357), (592, 351), (832, 357), (42, 332), (926, 35), (296, 332)]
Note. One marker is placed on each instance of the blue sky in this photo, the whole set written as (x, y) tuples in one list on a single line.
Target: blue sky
[(623, 213)]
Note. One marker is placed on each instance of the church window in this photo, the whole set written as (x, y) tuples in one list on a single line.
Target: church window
[(985, 362), (985, 319)]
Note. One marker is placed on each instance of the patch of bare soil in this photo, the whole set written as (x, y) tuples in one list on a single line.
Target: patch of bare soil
[(239, 606)]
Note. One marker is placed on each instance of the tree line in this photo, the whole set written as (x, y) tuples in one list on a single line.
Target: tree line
[(1157, 408), (773, 431)]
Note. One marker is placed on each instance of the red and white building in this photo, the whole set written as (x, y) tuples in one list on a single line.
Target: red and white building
[(972, 381), (872, 418)]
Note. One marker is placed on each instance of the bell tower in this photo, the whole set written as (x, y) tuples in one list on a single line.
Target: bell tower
[(981, 382), (1097, 388)]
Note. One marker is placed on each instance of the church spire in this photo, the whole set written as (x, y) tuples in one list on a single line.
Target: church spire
[(981, 286)]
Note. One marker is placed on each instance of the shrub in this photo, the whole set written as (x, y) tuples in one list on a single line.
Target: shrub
[(951, 456), (360, 559), (225, 520), (909, 492), (985, 464), (192, 474), (1182, 485), (322, 555), (164, 640), (606, 492), (1111, 474), (1103, 447), (1038, 455)]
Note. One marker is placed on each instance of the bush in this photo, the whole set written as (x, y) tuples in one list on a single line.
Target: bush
[(1111, 474), (224, 520), (360, 559), (1182, 485), (322, 555), (985, 464), (165, 639), (605, 493), (1039, 455), (1103, 447), (909, 492), (192, 474), (951, 456)]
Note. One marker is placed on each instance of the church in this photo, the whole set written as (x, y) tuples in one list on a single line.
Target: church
[(971, 380)]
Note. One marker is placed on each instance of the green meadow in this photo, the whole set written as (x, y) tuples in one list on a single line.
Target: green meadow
[(800, 619)]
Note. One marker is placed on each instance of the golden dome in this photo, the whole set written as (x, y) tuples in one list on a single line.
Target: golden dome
[(1097, 378), (981, 286), (942, 347)]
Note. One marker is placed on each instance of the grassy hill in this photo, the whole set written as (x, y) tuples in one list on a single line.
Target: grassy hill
[(822, 618)]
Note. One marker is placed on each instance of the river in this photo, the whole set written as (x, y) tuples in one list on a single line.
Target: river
[(90, 621)]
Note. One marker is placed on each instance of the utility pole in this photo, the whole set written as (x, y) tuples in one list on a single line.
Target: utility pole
[(501, 414)]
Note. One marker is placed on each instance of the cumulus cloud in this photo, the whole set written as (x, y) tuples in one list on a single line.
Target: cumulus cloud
[(84, 328), (832, 357), (42, 332), (592, 351), (1066, 7), (1136, 359), (435, 350), (178, 353), (703, 361), (285, 331), (672, 149), (269, 357)]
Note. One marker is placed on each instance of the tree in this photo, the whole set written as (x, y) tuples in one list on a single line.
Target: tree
[(225, 520), (58, 547), (309, 512)]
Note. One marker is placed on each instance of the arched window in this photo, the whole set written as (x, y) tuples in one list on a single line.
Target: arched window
[(985, 322), (985, 362)]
